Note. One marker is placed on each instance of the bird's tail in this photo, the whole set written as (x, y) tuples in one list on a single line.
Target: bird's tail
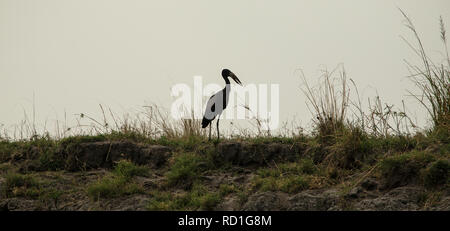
[(205, 122)]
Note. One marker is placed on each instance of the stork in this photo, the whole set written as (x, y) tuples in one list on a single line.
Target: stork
[(218, 102)]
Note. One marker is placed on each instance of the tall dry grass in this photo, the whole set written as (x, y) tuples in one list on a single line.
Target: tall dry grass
[(335, 109), (329, 101), (432, 79), (150, 122)]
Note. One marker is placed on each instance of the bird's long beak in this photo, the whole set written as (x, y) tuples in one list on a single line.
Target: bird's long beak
[(235, 78)]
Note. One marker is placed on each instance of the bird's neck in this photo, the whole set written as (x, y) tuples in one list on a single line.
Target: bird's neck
[(227, 81)]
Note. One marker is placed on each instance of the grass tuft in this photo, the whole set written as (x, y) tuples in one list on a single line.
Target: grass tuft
[(198, 198), (128, 170), (437, 174), (403, 169), (119, 183), (21, 185), (186, 169)]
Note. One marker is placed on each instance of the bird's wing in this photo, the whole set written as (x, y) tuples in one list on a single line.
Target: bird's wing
[(210, 110)]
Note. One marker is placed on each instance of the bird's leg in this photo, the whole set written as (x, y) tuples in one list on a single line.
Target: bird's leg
[(209, 131), (218, 136)]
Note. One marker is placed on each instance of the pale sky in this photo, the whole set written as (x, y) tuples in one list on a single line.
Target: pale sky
[(75, 54)]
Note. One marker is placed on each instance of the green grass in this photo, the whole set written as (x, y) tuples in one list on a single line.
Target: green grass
[(128, 170), (437, 174), (26, 149), (8, 149), (50, 161), (285, 177), (21, 185), (196, 198), (83, 139), (112, 186), (226, 189), (404, 168), (51, 195), (31, 187), (288, 184), (186, 169), (293, 184), (119, 183), (302, 166)]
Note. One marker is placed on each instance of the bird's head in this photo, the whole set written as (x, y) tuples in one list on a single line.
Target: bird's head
[(227, 73)]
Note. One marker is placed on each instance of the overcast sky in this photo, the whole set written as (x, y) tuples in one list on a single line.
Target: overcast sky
[(74, 54)]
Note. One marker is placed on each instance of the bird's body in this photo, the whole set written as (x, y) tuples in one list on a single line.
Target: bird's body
[(218, 102)]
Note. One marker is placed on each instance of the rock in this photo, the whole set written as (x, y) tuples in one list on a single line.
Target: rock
[(4, 206), (229, 151), (20, 204), (306, 201), (403, 198), (266, 201), (154, 155), (147, 183), (133, 203), (311, 200), (2, 185), (240, 179), (228, 204), (79, 204), (244, 153), (214, 181), (443, 205), (103, 154)]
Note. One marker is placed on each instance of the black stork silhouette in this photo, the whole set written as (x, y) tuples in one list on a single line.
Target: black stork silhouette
[(218, 102)]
